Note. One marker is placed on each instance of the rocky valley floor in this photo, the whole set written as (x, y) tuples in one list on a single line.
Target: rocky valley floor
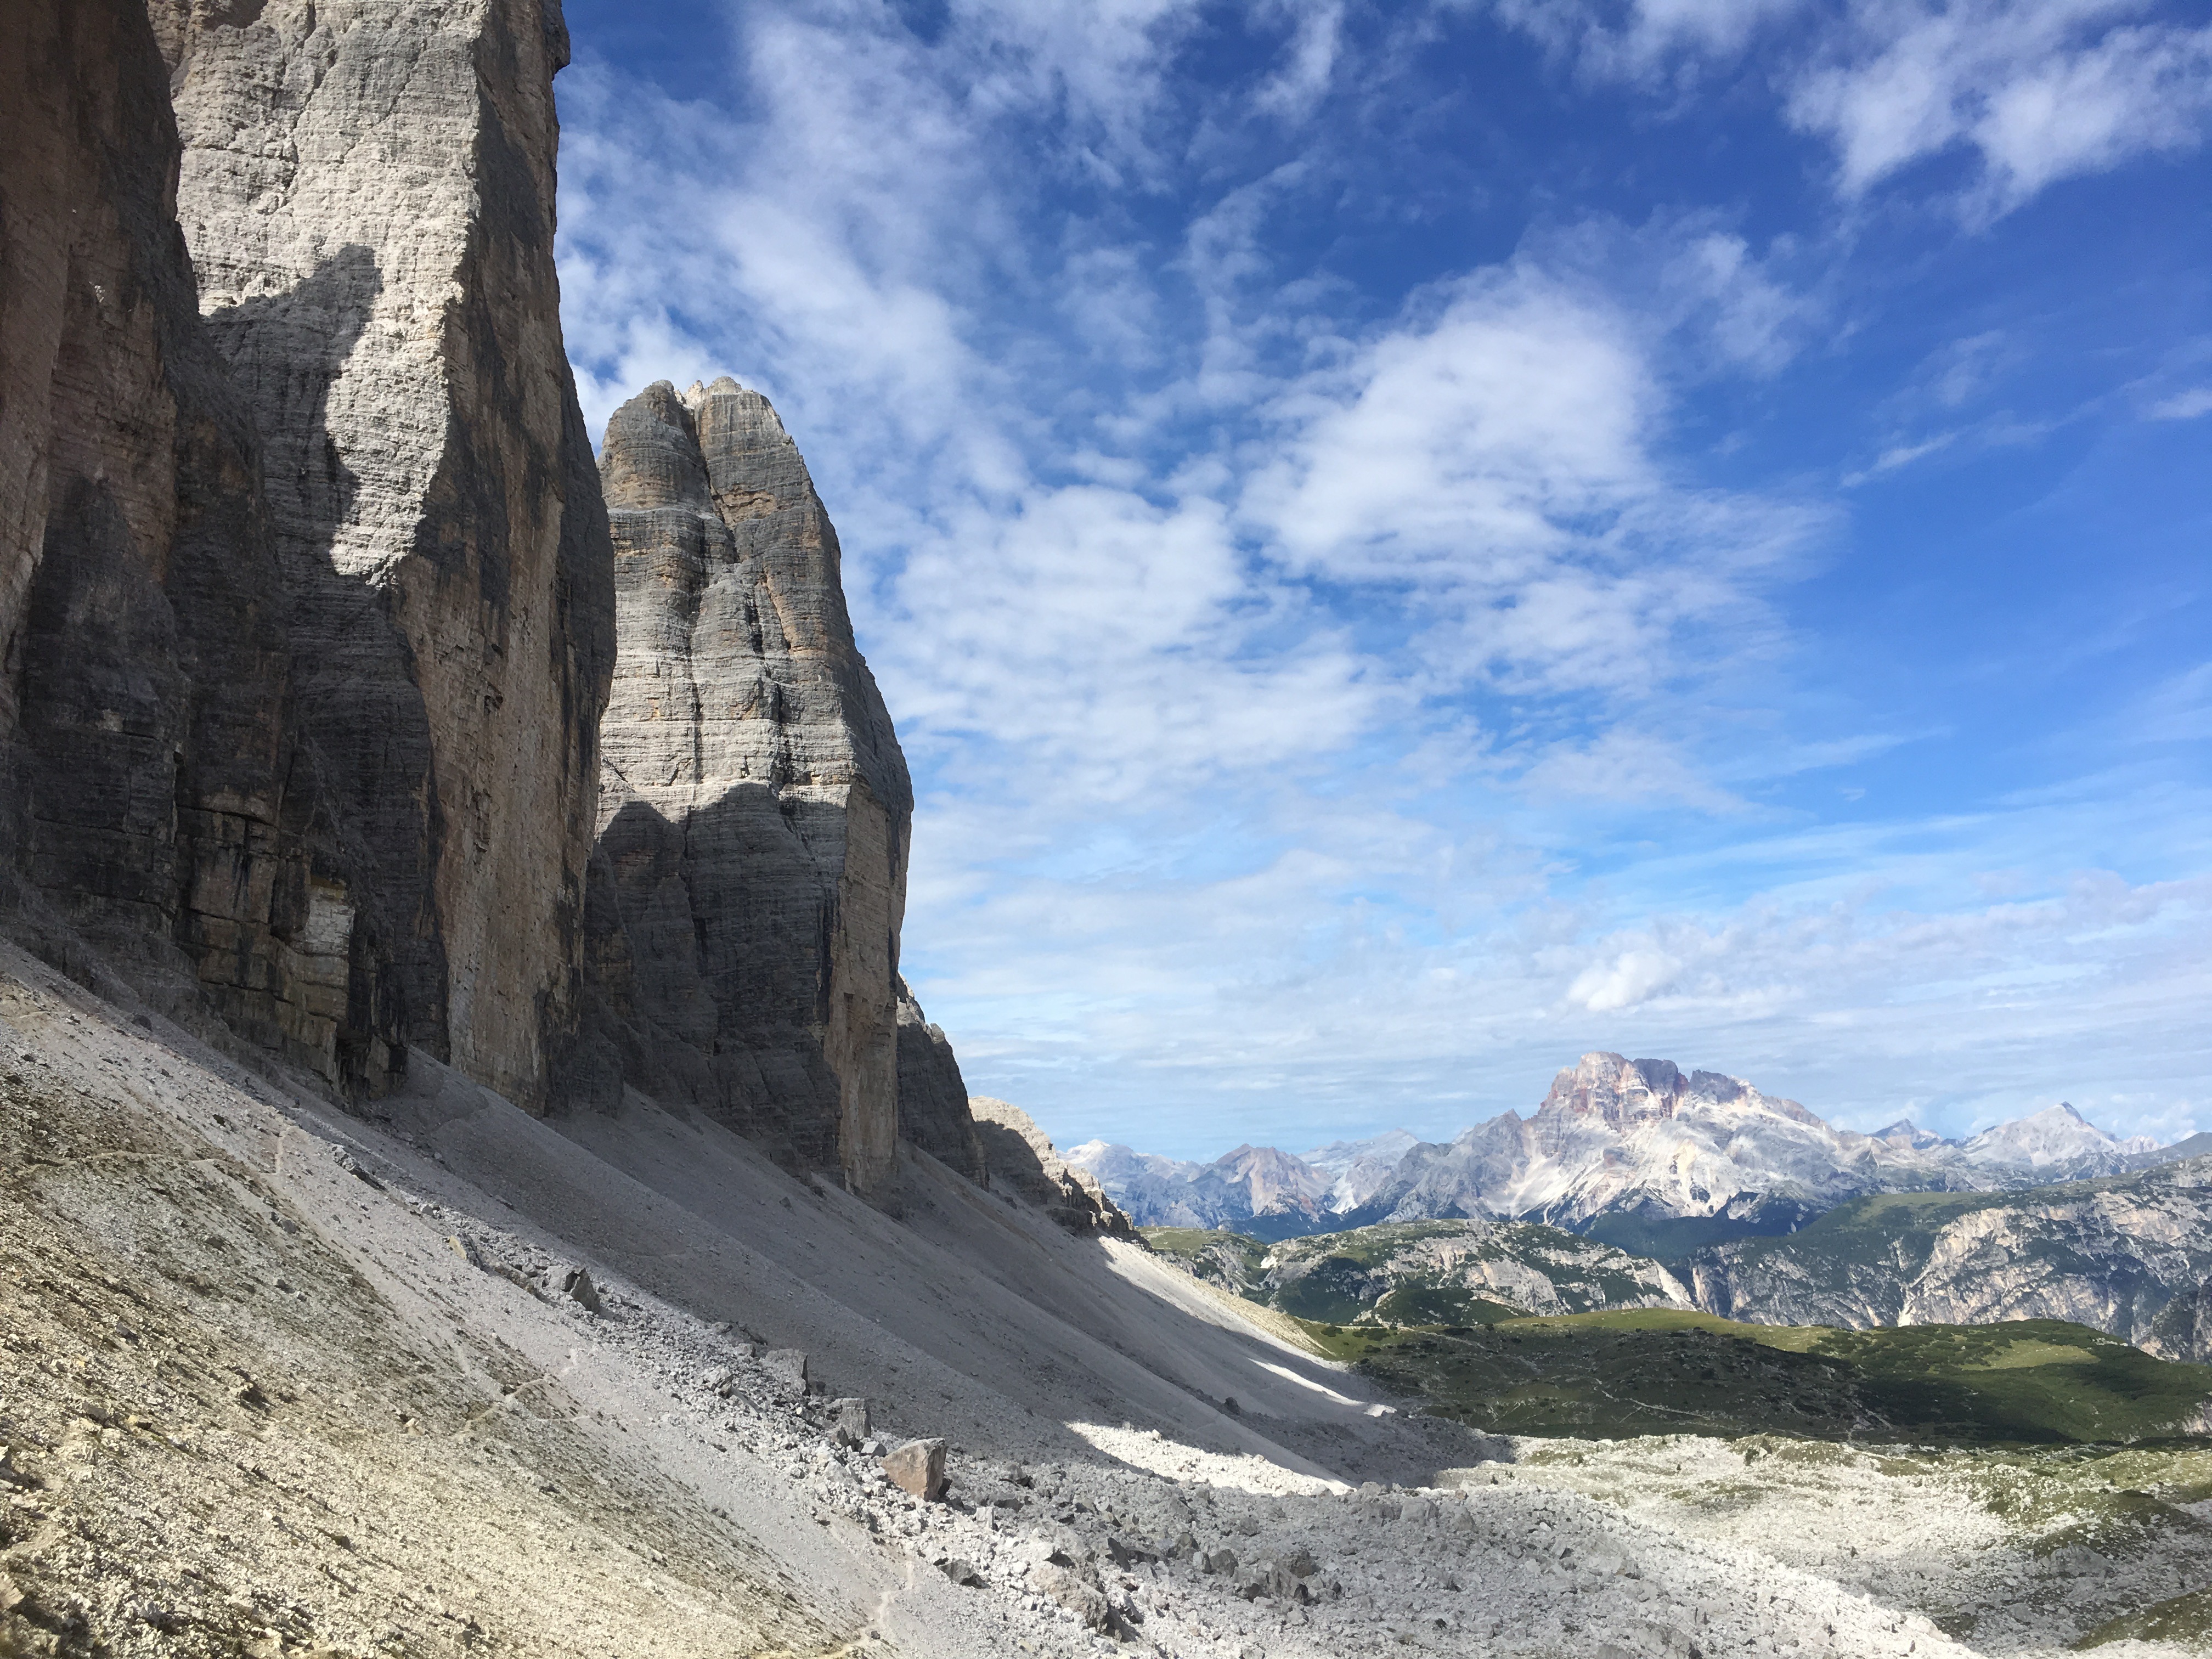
[(275, 1379)]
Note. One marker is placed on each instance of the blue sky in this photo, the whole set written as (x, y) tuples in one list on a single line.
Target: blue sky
[(1407, 543)]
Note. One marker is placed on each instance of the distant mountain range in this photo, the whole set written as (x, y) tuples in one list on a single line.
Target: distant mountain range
[(1634, 1152)]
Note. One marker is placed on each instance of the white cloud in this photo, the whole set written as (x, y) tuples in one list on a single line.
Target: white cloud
[(1644, 40), (1266, 654), (1494, 460), (2035, 90), (1631, 977), (1302, 83), (2039, 92), (1898, 455), (2182, 405), (1626, 768)]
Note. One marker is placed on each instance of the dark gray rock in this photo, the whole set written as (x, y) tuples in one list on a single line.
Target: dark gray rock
[(155, 791), (750, 877), (932, 1097)]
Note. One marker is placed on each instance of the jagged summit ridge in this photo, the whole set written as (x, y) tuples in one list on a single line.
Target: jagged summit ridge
[(1613, 1137)]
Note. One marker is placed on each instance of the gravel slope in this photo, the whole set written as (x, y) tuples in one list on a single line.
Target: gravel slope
[(275, 1380)]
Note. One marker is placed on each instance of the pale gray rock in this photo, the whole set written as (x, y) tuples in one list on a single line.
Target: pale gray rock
[(2125, 1254), (788, 1368), (750, 876), (852, 1426), (366, 189), (1023, 1161), (1360, 1168), (2183, 1329), (1257, 1190)]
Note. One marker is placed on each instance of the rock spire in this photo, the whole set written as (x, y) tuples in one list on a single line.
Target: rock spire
[(751, 872)]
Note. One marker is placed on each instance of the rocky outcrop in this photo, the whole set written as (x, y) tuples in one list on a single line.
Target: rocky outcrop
[(366, 189), (157, 799), (2126, 1255), (932, 1097), (1023, 1161), (2183, 1329), (750, 876)]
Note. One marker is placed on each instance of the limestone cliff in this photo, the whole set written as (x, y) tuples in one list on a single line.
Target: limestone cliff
[(750, 877), (156, 798), (366, 188)]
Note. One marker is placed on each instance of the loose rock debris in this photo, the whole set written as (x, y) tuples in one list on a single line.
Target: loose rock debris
[(266, 1407)]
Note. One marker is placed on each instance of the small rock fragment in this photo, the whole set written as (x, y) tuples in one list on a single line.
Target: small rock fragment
[(918, 1467), (961, 1572), (851, 1426), (575, 1282), (786, 1368)]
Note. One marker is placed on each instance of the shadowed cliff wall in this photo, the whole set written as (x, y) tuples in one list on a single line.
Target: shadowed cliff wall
[(157, 796), (367, 191)]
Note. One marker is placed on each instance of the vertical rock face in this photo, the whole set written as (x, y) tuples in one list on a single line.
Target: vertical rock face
[(368, 192), (932, 1097), (156, 792), (751, 872)]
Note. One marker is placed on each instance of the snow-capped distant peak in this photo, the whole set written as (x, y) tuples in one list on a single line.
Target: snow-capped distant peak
[(1906, 1133)]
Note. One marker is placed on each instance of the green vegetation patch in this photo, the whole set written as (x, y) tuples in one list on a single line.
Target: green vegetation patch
[(1658, 1370), (2185, 1620), (1227, 1259)]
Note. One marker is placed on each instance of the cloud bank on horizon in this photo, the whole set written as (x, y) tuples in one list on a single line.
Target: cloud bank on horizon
[(1409, 543)]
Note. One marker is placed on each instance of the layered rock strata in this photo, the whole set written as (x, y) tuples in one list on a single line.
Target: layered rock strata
[(157, 799), (366, 188), (750, 877)]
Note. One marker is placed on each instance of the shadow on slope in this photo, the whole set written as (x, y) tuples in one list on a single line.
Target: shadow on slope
[(972, 1316)]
